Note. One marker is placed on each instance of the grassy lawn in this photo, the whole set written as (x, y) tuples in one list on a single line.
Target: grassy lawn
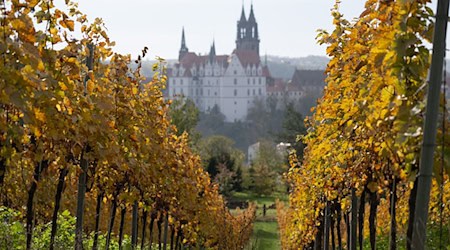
[(265, 236), (265, 232)]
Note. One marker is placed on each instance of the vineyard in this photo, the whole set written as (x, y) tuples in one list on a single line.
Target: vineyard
[(357, 185), (90, 158), (87, 145)]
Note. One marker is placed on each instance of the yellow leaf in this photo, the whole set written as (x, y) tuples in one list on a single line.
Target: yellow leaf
[(32, 3), (58, 107), (70, 24), (66, 101), (111, 124), (25, 139), (40, 116), (36, 132), (133, 137), (53, 31), (62, 85), (90, 86), (40, 66), (135, 90)]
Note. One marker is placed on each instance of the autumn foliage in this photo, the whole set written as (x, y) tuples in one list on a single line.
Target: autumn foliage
[(364, 139), (66, 101)]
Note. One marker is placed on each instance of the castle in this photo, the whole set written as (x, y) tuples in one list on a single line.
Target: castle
[(232, 82)]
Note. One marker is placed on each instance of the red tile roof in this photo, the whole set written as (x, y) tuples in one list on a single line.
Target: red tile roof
[(247, 57), (266, 72), (278, 86), (308, 77), (191, 59)]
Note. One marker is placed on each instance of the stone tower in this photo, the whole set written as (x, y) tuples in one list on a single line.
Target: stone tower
[(247, 32), (183, 50)]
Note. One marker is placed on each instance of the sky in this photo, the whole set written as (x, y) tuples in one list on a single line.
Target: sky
[(286, 27)]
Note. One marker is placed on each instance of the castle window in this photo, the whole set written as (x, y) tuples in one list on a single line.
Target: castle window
[(201, 92), (248, 81), (235, 72), (235, 92), (235, 81), (254, 92), (253, 81), (260, 92), (174, 81), (208, 92), (235, 103), (181, 81), (248, 92), (259, 80), (215, 93)]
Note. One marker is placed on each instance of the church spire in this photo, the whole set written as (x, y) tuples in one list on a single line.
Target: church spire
[(247, 32), (243, 18), (212, 52), (183, 50), (251, 17)]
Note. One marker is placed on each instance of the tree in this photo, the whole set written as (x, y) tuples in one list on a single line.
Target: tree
[(211, 122), (264, 169), (224, 178), (293, 127), (238, 179), (216, 150), (263, 179), (185, 116)]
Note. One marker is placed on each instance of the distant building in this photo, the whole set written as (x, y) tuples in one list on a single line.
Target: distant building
[(283, 148), (231, 82), (303, 83), (252, 153)]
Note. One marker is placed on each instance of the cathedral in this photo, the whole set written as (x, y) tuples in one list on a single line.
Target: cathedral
[(232, 82)]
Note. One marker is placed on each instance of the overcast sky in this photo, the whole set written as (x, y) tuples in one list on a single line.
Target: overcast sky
[(286, 27)]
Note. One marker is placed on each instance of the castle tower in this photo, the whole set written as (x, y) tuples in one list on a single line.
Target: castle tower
[(183, 50), (247, 32)]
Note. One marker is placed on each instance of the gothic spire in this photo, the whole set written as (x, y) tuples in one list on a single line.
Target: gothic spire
[(251, 17), (243, 18), (183, 39), (183, 50), (212, 52)]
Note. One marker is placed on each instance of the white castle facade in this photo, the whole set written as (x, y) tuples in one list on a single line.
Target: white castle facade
[(232, 82)]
